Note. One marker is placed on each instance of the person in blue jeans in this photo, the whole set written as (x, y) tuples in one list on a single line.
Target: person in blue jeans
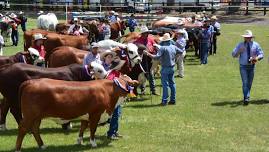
[(205, 39), (167, 55), (249, 52)]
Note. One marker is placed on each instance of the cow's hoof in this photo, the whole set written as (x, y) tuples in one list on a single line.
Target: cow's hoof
[(43, 147), (79, 141), (3, 127), (93, 143)]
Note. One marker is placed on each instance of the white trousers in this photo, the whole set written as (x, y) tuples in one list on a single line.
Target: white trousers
[(180, 64)]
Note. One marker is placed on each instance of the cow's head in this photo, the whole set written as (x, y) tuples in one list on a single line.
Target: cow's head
[(97, 70), (134, 57)]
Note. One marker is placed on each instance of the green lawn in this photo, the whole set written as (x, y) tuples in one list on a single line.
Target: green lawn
[(209, 115)]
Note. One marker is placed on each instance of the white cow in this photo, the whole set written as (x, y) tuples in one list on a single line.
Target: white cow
[(47, 22)]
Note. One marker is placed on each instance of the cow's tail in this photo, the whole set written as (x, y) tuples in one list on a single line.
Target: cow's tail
[(22, 86)]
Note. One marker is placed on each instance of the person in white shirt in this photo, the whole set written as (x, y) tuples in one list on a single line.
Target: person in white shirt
[(1, 44), (181, 44), (75, 29), (216, 32)]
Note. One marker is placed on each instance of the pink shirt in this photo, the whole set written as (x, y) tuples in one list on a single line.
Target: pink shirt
[(147, 42), (41, 50), (113, 74)]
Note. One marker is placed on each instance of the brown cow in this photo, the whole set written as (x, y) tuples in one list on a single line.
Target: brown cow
[(133, 36), (65, 55), (62, 28), (116, 29), (42, 98)]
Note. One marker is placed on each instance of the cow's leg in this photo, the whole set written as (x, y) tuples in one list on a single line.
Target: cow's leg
[(24, 127), (36, 133), (4, 110), (93, 125), (16, 112), (83, 127)]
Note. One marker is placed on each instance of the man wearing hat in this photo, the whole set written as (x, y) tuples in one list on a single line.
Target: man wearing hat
[(14, 26), (132, 23), (249, 53), (205, 40), (112, 18), (23, 20), (216, 32), (167, 55), (93, 55), (76, 28), (38, 44), (107, 57), (148, 42), (181, 44)]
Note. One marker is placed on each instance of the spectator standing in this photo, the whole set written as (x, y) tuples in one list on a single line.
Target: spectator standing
[(93, 55), (167, 55), (76, 28), (147, 41), (205, 39), (14, 26), (216, 32), (23, 19), (181, 44), (106, 30), (249, 52), (132, 23)]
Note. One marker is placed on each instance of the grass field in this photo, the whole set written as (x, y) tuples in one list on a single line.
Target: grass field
[(208, 117)]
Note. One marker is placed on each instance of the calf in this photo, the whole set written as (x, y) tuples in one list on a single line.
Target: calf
[(12, 76), (41, 98)]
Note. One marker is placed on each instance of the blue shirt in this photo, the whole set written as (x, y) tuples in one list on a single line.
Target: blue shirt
[(255, 51), (132, 22), (112, 18), (167, 54), (181, 43), (206, 35), (91, 58)]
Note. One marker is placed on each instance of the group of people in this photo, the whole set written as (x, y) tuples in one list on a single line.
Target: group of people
[(12, 22)]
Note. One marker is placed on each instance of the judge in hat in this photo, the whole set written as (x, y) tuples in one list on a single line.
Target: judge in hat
[(249, 53), (167, 54)]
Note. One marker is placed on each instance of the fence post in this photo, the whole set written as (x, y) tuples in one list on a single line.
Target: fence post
[(180, 7), (246, 7), (212, 9), (264, 11)]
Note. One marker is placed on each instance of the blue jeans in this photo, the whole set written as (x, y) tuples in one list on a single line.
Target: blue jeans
[(131, 29), (167, 78), (15, 37), (151, 80), (247, 75), (114, 122), (23, 27), (204, 52)]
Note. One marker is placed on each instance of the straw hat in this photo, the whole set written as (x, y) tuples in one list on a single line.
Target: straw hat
[(144, 29), (40, 12), (107, 52), (248, 34), (214, 17), (39, 36), (12, 15), (75, 19), (21, 12), (166, 37)]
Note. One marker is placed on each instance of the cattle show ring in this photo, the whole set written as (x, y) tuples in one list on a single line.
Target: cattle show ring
[(161, 78)]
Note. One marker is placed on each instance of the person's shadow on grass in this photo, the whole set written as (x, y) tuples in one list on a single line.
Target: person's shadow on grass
[(234, 104)]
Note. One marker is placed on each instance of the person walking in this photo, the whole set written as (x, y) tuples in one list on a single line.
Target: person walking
[(249, 53), (205, 39), (23, 19), (167, 55), (14, 25)]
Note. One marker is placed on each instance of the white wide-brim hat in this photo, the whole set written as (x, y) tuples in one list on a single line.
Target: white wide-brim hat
[(21, 12), (75, 19), (214, 17), (12, 15), (166, 37), (144, 29), (248, 34), (107, 52), (33, 51), (40, 12), (39, 36)]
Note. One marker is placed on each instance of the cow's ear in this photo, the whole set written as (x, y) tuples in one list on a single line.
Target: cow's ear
[(133, 83)]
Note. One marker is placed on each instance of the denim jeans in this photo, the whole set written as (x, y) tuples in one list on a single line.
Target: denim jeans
[(15, 37), (204, 52), (247, 75), (150, 77), (114, 122), (131, 29), (167, 79)]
